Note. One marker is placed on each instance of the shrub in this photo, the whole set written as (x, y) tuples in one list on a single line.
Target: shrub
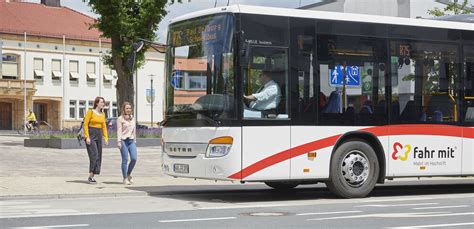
[(72, 133)]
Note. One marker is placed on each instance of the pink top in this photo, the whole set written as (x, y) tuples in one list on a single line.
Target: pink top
[(126, 128)]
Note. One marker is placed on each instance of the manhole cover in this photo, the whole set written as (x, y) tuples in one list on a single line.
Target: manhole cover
[(265, 214)]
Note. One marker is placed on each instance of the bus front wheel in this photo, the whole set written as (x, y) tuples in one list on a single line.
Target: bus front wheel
[(281, 185), (354, 170)]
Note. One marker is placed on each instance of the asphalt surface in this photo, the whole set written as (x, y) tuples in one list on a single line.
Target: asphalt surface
[(442, 204)]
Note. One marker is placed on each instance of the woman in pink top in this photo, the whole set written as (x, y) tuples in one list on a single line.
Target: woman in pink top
[(126, 141)]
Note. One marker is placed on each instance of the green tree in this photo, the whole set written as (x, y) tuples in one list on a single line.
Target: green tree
[(452, 8), (124, 22)]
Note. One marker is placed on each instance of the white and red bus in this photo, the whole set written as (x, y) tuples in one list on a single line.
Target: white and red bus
[(362, 98)]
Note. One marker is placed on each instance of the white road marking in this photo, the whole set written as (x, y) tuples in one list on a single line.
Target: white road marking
[(7, 203), (434, 225), (30, 215), (55, 226), (441, 207), (243, 206), (397, 215), (25, 206), (396, 205), (328, 213), (190, 220), (375, 199)]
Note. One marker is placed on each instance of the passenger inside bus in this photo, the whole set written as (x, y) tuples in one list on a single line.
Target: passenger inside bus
[(267, 98)]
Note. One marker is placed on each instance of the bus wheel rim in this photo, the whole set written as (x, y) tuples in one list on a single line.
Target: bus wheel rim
[(355, 168)]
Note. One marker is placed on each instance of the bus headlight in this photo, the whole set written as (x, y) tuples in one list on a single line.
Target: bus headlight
[(219, 147)]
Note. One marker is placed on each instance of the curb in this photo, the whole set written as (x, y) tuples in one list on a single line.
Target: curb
[(72, 196)]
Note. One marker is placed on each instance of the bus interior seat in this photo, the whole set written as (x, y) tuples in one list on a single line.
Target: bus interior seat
[(334, 103), (411, 113), (366, 108), (437, 116), (440, 102)]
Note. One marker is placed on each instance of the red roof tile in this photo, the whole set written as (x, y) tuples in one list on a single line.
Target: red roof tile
[(40, 20)]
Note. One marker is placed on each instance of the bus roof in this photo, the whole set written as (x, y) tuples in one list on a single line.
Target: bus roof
[(336, 16)]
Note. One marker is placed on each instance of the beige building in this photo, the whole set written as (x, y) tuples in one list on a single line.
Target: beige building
[(61, 59)]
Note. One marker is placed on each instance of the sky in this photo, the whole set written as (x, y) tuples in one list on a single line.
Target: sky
[(179, 9)]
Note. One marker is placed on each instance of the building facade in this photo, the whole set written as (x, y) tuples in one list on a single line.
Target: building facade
[(52, 58)]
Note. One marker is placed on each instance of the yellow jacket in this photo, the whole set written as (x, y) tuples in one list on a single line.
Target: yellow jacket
[(31, 117), (96, 121)]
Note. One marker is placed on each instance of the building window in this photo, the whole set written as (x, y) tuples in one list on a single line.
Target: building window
[(74, 70), (82, 108), (90, 104), (90, 70), (107, 109), (72, 109), (9, 68), (107, 74), (38, 68), (56, 69), (114, 109)]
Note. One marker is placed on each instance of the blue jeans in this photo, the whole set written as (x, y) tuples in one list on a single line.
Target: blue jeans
[(128, 147)]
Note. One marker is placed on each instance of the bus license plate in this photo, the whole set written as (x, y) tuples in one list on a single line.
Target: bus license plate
[(181, 168)]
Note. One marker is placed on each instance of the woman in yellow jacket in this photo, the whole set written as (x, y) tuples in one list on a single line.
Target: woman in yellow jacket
[(95, 130)]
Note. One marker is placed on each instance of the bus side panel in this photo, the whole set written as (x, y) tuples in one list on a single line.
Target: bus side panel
[(424, 154), (468, 152), (306, 166), (262, 142)]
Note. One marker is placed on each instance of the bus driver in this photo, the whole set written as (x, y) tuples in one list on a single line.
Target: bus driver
[(267, 97)]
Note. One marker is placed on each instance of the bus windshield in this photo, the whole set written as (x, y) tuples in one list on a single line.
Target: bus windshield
[(200, 73)]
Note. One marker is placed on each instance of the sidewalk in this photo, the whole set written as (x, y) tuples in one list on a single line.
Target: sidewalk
[(27, 173)]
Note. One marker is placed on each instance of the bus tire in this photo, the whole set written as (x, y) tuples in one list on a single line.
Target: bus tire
[(354, 170), (281, 185)]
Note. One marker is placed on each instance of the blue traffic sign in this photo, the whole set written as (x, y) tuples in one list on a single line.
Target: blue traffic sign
[(352, 76), (176, 82)]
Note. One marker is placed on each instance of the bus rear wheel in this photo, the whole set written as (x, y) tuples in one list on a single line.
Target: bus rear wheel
[(354, 170), (281, 185)]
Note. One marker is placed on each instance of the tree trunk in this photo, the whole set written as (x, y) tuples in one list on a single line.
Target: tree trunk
[(125, 90)]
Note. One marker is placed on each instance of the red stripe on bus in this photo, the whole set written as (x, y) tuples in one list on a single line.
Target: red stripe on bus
[(421, 129), (285, 155)]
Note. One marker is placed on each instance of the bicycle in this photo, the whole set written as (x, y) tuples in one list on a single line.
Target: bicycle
[(30, 128)]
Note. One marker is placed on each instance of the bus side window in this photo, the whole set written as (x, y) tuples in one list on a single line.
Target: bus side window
[(352, 78), (469, 86), (424, 82)]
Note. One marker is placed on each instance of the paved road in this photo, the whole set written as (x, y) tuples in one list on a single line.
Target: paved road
[(400, 204)]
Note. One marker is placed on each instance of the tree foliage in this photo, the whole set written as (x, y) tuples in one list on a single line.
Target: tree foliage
[(124, 22), (453, 8)]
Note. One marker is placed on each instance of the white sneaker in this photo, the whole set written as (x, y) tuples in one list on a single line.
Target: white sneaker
[(130, 179), (126, 182)]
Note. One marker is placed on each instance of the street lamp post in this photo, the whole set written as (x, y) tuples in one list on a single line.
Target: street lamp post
[(131, 62), (152, 95)]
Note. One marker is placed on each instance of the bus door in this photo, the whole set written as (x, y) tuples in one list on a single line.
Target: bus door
[(468, 112), (425, 136), (266, 125)]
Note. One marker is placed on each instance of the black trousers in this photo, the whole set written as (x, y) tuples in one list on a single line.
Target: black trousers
[(95, 150)]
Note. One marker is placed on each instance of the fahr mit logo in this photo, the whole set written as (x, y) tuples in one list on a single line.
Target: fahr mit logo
[(403, 152)]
